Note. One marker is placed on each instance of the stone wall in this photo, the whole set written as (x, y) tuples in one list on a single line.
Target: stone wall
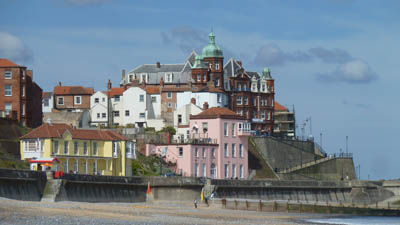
[(285, 153), (334, 169)]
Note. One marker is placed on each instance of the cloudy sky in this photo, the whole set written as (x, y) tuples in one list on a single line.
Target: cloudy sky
[(334, 60)]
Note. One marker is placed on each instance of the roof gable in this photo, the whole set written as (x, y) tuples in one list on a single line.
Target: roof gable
[(7, 63)]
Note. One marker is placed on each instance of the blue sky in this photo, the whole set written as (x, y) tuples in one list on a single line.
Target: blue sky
[(334, 60)]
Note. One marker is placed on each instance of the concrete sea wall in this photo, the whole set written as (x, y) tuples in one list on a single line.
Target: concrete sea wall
[(22, 184)]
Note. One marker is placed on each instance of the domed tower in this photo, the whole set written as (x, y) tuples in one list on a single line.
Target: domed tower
[(213, 57)]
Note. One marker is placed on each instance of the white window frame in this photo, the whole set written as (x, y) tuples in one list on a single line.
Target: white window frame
[(141, 98), (58, 100), (23, 109), (226, 171), (216, 66), (233, 171), (196, 169), (233, 150), (241, 155), (116, 113), (103, 115), (117, 98), (168, 77), (66, 147), (226, 132), (219, 98), (213, 153), (239, 100), (204, 153), (94, 148), (241, 171), (85, 149), (76, 101), (23, 90), (142, 115), (7, 108), (76, 166), (204, 170), (8, 90), (180, 152), (196, 152), (98, 115), (8, 75), (233, 130), (55, 147), (127, 113), (169, 94), (153, 99), (226, 150), (76, 149)]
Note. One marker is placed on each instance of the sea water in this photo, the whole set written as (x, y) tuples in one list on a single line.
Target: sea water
[(358, 220)]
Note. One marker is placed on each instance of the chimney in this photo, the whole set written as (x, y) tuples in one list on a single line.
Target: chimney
[(193, 101), (109, 85), (158, 64), (240, 63), (162, 82), (59, 83), (123, 74), (205, 106)]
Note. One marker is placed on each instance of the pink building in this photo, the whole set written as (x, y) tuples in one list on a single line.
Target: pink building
[(217, 147)]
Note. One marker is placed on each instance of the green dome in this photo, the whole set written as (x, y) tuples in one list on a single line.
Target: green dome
[(211, 50), (266, 73), (198, 63)]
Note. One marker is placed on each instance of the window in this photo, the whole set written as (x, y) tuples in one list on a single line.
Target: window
[(262, 114), (213, 171), (254, 101), (98, 115), (116, 98), (196, 152), (233, 150), (217, 82), (103, 115), (130, 77), (60, 100), (210, 65), (116, 113), (143, 78), (245, 100), (46, 102), (203, 153), (8, 90), (204, 78), (179, 119), (76, 166), (180, 152), (226, 129), (7, 108), (94, 148), (196, 170), (204, 170), (240, 150), (153, 99), (66, 166), (239, 87), (96, 100), (217, 66), (142, 115), (126, 112), (219, 98), (85, 148), (95, 167), (23, 74), (169, 94), (168, 77), (76, 148), (254, 87), (268, 115), (233, 171), (226, 153), (263, 87), (55, 150), (226, 171), (103, 99), (85, 167), (8, 75), (241, 171), (23, 90), (65, 147), (239, 100), (169, 104), (77, 100), (23, 109), (233, 130), (213, 153), (198, 77), (205, 127), (141, 98), (226, 86)]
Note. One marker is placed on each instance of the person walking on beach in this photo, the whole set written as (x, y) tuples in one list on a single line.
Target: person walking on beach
[(195, 203)]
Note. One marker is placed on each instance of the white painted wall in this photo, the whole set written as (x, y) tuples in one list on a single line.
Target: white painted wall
[(184, 98), (185, 111), (118, 106), (154, 108), (48, 109), (131, 98), (100, 107)]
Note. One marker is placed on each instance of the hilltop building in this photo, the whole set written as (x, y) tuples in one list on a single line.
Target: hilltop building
[(285, 125), (72, 98), (217, 147), (21, 98), (65, 148)]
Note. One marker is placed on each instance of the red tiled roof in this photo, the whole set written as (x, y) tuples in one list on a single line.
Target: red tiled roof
[(47, 94), (153, 90), (217, 112), (115, 91), (72, 90), (7, 63), (279, 107), (57, 130)]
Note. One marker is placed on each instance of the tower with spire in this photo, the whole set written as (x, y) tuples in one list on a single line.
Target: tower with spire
[(213, 57)]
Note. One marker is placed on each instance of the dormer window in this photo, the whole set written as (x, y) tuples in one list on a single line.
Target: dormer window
[(130, 77), (263, 87), (198, 77), (254, 87), (205, 78), (143, 78), (239, 86), (168, 77), (210, 65)]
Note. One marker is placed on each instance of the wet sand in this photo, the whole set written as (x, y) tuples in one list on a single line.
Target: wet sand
[(25, 212)]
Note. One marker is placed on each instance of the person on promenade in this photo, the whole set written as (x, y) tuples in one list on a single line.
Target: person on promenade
[(195, 203)]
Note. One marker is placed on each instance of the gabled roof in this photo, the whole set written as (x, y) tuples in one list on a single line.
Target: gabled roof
[(191, 57), (115, 91), (57, 130), (279, 107), (231, 67), (7, 63), (72, 90), (217, 112), (152, 68)]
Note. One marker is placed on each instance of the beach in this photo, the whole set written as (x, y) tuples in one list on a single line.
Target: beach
[(159, 212)]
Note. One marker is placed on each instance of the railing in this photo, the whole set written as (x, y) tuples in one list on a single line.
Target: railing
[(205, 141), (241, 89)]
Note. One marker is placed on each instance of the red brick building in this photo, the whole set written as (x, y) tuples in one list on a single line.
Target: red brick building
[(72, 98), (20, 97)]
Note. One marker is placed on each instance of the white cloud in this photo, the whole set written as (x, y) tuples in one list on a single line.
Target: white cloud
[(273, 55), (13, 48), (354, 71)]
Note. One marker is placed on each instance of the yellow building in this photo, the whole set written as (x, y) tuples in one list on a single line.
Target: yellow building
[(99, 152)]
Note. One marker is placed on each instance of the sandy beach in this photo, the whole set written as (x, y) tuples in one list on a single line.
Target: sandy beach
[(24, 212)]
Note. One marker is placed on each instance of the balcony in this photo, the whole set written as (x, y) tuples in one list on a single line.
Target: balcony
[(241, 89), (197, 138), (257, 120)]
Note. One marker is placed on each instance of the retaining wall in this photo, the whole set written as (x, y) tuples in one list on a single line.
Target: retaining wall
[(22, 184)]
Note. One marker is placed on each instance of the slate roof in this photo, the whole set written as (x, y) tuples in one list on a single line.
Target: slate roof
[(7, 63), (72, 90), (231, 67), (57, 130), (217, 112)]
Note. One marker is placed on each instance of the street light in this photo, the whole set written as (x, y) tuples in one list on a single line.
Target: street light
[(320, 139)]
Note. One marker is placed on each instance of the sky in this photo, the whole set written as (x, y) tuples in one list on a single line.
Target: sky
[(334, 61)]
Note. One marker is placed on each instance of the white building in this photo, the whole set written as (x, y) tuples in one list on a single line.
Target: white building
[(181, 120), (99, 109), (47, 102), (214, 98)]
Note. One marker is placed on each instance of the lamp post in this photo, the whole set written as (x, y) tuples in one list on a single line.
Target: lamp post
[(347, 145), (320, 139)]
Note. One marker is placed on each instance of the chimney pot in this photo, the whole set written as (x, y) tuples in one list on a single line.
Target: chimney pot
[(193, 101), (109, 85), (59, 83), (123, 74), (158, 65), (205, 105)]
